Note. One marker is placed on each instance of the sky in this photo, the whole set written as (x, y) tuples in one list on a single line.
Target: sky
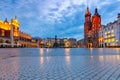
[(64, 18)]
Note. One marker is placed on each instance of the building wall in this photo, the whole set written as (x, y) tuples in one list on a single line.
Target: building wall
[(73, 42), (80, 43), (109, 35), (24, 36), (26, 40)]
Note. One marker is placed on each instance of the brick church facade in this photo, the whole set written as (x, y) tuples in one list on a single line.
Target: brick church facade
[(91, 28)]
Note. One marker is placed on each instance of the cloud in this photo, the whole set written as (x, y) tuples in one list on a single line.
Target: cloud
[(46, 18)]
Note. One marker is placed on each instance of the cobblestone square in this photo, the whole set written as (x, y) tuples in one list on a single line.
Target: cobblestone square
[(30, 66)]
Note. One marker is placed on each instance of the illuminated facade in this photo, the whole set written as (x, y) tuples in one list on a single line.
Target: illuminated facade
[(109, 35), (73, 42), (91, 28), (26, 40), (15, 24), (24, 36), (11, 36), (49, 42), (80, 43), (63, 42), (5, 31), (5, 27)]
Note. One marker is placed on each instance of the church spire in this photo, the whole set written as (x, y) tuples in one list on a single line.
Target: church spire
[(6, 20), (15, 17), (88, 11), (87, 8), (96, 10)]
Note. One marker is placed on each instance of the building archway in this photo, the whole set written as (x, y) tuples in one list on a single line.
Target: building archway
[(7, 41), (1, 41)]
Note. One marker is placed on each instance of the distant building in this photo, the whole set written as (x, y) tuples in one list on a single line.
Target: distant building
[(73, 42), (109, 35), (38, 41), (91, 28), (48, 42), (80, 43), (62, 42), (25, 40)]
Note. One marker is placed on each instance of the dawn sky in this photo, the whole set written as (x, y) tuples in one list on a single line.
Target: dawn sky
[(65, 18)]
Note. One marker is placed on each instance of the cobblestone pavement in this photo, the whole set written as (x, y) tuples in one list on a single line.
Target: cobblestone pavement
[(69, 67)]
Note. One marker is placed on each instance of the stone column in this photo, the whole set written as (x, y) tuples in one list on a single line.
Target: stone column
[(11, 36)]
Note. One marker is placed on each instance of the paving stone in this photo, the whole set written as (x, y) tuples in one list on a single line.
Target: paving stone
[(57, 68)]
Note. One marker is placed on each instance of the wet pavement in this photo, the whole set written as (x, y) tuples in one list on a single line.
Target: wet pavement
[(59, 64)]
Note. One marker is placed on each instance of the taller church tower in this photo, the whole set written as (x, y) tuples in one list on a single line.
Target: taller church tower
[(87, 26)]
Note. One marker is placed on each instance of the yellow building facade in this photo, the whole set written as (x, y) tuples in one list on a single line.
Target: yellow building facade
[(19, 39), (6, 26)]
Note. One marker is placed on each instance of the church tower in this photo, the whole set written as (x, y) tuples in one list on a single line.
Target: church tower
[(87, 26), (96, 25), (96, 20)]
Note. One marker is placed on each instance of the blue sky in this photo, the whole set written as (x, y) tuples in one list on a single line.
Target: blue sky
[(46, 18)]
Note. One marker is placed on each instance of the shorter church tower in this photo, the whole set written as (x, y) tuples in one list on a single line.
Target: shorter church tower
[(96, 25)]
